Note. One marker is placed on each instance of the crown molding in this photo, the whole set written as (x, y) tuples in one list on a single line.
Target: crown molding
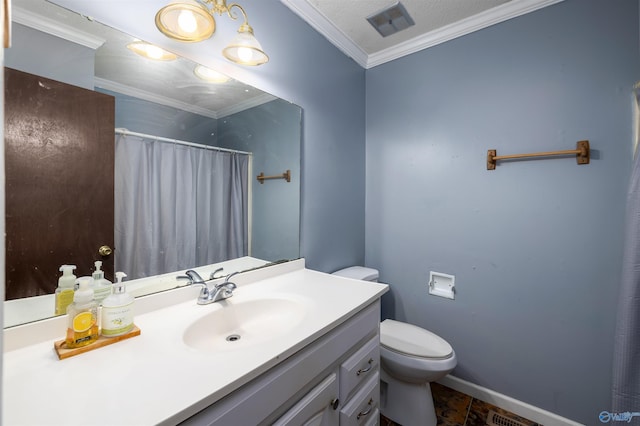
[(325, 27), (246, 104), (152, 97), (477, 22), (49, 26), (466, 26), (162, 100)]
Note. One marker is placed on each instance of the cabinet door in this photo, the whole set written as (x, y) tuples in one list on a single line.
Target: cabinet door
[(59, 149), (316, 408)]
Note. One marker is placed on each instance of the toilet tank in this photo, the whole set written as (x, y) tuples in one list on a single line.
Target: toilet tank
[(358, 273)]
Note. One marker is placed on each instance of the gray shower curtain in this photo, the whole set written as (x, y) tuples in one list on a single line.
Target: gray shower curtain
[(177, 206), (626, 357)]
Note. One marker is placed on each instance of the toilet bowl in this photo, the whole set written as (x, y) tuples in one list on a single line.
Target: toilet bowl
[(411, 358)]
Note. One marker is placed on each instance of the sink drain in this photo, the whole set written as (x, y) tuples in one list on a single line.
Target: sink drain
[(233, 338)]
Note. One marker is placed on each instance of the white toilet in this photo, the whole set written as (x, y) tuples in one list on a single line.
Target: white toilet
[(411, 357)]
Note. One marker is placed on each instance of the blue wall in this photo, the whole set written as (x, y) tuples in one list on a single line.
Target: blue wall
[(535, 245)]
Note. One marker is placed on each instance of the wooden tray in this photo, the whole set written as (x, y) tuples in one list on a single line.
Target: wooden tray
[(64, 352)]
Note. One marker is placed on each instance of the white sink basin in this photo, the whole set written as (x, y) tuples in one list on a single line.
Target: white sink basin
[(245, 323)]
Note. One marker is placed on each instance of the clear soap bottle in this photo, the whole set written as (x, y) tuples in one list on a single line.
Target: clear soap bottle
[(101, 286), (117, 310), (64, 291), (82, 328)]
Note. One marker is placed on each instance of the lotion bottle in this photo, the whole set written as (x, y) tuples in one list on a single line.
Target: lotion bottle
[(83, 316), (117, 310), (64, 291), (101, 286)]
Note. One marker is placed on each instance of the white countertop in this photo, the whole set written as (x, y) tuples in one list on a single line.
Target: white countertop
[(155, 377)]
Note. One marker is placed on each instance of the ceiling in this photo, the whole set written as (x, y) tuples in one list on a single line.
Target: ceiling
[(344, 23)]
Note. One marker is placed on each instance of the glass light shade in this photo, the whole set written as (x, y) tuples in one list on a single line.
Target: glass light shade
[(150, 51), (186, 20), (210, 75), (245, 49)]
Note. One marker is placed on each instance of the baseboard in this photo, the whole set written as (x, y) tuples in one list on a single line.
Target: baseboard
[(520, 408)]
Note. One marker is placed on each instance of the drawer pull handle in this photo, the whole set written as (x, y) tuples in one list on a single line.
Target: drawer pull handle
[(364, 413), (364, 370)]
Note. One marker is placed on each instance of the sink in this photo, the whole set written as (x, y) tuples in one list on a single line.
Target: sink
[(244, 323)]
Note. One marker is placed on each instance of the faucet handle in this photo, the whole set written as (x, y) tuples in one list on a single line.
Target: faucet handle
[(226, 279), (213, 274)]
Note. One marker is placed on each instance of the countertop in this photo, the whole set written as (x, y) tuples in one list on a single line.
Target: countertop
[(155, 378)]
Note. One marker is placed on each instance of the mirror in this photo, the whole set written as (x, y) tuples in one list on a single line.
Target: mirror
[(246, 119)]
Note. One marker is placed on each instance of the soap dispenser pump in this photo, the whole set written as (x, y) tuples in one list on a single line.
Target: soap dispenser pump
[(117, 310), (83, 316), (64, 291), (101, 285)]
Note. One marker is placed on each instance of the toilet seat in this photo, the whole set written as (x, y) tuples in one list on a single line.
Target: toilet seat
[(412, 340)]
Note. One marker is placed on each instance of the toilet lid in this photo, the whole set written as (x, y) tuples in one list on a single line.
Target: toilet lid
[(413, 340)]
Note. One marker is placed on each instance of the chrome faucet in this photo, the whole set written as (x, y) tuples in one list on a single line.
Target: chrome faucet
[(219, 291)]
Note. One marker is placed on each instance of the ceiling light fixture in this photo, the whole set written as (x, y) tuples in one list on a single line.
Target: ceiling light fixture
[(150, 51), (192, 21)]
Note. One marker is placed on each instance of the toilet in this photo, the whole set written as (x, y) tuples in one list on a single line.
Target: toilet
[(411, 358)]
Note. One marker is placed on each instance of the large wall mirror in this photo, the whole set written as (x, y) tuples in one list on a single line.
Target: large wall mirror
[(165, 102)]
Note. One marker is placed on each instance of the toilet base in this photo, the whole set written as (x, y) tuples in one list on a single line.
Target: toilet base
[(408, 404)]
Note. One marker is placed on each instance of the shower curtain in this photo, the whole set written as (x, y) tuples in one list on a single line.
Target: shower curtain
[(177, 206), (626, 357)]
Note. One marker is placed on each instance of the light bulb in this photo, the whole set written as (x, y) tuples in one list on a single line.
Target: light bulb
[(187, 21), (245, 54), (154, 52)]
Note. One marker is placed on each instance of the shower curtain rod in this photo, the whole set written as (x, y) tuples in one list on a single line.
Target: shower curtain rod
[(122, 131)]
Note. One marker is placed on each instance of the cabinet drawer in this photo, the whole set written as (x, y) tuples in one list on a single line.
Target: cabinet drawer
[(315, 408), (374, 418), (359, 367), (363, 405)]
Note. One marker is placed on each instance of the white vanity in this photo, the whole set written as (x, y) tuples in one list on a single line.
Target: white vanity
[(291, 345)]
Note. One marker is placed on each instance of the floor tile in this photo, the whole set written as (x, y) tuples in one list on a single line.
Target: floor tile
[(386, 422), (451, 406), (454, 408)]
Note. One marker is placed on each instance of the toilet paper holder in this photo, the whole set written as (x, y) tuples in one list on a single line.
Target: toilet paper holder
[(442, 285)]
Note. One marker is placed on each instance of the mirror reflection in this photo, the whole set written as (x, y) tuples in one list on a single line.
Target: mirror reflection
[(183, 149)]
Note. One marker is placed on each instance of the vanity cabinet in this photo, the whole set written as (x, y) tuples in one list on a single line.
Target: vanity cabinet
[(332, 380)]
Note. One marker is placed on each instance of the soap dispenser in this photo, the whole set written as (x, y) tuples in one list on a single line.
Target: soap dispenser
[(101, 286), (83, 316), (117, 310), (64, 291)]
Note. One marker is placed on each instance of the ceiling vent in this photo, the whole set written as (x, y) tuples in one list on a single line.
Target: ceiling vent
[(391, 20)]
